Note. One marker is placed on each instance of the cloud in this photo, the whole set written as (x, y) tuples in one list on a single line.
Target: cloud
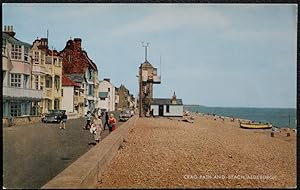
[(167, 18)]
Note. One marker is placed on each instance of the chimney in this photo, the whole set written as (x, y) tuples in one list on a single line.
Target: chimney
[(173, 101), (77, 43), (108, 80), (44, 43), (9, 30)]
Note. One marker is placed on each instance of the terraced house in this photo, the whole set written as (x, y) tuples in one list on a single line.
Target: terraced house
[(19, 97), (78, 67), (47, 74)]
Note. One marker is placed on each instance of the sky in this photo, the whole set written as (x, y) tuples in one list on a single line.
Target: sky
[(225, 55)]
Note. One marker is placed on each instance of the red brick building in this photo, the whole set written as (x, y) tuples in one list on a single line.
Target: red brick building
[(81, 69)]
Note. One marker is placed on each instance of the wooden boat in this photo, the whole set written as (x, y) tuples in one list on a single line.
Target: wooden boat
[(255, 126)]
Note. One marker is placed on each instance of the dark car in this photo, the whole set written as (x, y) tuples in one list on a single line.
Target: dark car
[(124, 115), (53, 116)]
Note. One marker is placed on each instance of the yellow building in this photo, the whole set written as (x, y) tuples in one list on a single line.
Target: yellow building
[(47, 74)]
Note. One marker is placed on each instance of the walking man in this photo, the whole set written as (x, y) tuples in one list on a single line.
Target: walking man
[(88, 120), (63, 121)]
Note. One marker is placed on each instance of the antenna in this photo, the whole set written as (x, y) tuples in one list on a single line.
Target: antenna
[(160, 66), (145, 46), (47, 33)]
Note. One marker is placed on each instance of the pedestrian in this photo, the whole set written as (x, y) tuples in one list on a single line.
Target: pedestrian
[(63, 121), (106, 120), (96, 128), (111, 123), (88, 120)]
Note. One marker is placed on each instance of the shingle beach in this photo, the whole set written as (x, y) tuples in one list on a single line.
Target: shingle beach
[(208, 153)]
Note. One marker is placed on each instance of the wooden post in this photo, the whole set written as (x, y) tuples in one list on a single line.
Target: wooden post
[(288, 134), (272, 134)]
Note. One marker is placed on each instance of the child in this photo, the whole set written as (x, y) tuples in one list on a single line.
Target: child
[(112, 123)]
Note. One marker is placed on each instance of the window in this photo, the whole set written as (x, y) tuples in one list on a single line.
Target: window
[(62, 92), (56, 104), (69, 58), (15, 80), (16, 51), (25, 81), (3, 46), (108, 89), (56, 83), (102, 98), (26, 51), (48, 82), (36, 81), (3, 77), (55, 61), (48, 60), (42, 57), (34, 108), (90, 74), (36, 57), (15, 109), (168, 109), (91, 90)]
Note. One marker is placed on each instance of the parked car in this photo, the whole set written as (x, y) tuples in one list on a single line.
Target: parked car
[(53, 116), (124, 115)]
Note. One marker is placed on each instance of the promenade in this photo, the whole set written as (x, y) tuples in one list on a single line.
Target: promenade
[(33, 154), (209, 153)]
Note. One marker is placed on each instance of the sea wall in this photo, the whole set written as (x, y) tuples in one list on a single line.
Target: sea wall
[(85, 172)]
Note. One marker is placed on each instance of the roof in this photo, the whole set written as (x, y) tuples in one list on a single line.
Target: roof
[(53, 52), (68, 82), (14, 40), (165, 101), (146, 64)]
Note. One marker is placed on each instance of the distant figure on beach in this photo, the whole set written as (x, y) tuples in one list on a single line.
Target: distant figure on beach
[(112, 123), (63, 121), (96, 128), (88, 120)]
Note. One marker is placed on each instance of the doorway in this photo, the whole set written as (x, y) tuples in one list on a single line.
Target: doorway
[(161, 110)]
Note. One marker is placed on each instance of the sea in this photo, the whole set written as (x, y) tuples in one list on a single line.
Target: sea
[(278, 117)]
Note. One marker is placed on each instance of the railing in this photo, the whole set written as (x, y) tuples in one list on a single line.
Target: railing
[(22, 92), (38, 69)]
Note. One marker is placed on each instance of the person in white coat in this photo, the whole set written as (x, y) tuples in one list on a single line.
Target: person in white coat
[(97, 128)]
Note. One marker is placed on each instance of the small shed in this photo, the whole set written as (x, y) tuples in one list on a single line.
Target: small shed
[(167, 107)]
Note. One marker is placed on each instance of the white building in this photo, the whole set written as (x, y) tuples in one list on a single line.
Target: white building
[(167, 107), (106, 98), (19, 98), (69, 101)]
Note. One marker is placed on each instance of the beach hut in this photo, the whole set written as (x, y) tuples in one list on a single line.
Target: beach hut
[(167, 107)]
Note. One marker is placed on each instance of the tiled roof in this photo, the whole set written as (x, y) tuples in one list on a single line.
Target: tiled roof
[(15, 40), (68, 82), (165, 101)]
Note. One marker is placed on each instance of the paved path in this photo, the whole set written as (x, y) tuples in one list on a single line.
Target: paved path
[(34, 154)]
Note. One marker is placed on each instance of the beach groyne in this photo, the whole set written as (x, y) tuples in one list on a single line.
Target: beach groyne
[(85, 172)]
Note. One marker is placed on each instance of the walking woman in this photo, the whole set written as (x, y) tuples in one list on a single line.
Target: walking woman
[(112, 123), (97, 128)]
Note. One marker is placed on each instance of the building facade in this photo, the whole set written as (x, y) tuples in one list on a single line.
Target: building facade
[(167, 107), (106, 99), (72, 97), (19, 98), (47, 74), (81, 69), (123, 97)]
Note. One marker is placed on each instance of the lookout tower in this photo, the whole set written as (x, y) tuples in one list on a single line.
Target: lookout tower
[(147, 77)]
